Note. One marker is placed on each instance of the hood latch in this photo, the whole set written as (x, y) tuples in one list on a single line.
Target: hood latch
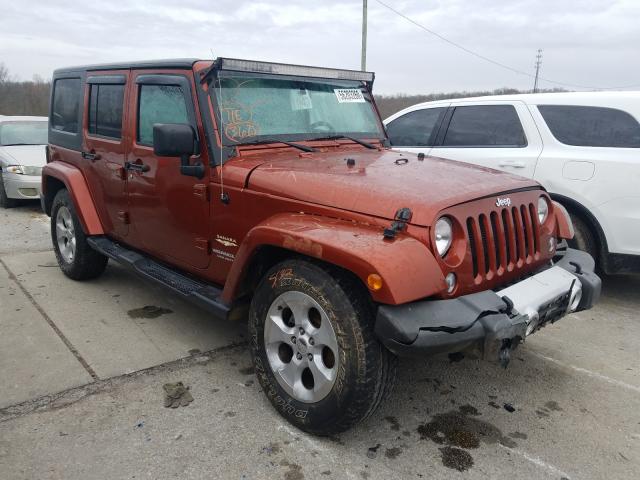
[(403, 216)]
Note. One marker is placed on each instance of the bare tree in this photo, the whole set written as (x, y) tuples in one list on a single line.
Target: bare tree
[(4, 73), (23, 98)]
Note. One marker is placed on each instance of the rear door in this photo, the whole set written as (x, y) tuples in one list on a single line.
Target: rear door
[(500, 135), (169, 211), (105, 146), (592, 155)]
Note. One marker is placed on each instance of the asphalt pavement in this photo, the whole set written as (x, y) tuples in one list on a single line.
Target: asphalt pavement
[(82, 369)]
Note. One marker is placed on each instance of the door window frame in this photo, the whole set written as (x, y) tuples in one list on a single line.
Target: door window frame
[(446, 122), (435, 131), (168, 79), (107, 79)]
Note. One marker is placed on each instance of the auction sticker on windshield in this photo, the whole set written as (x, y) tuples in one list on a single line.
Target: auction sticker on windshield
[(349, 95)]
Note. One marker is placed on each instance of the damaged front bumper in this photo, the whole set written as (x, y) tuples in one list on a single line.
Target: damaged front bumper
[(491, 323)]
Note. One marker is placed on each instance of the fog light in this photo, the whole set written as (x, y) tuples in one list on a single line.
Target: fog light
[(450, 279), (576, 296), (28, 192)]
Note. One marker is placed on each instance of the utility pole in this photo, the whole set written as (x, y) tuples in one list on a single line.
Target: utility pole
[(538, 65), (363, 58)]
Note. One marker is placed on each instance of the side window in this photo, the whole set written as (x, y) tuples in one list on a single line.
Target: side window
[(105, 110), (485, 126), (159, 104), (591, 126), (66, 105), (415, 129)]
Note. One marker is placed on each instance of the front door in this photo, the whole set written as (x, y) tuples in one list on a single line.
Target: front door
[(169, 212), (105, 147)]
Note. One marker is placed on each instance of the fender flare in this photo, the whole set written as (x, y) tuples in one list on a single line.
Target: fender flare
[(564, 225), (407, 267), (76, 185)]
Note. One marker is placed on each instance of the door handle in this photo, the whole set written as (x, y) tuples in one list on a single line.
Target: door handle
[(137, 167), (92, 155), (512, 163)]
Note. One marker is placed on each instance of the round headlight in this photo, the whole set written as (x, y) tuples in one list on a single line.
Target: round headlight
[(543, 209), (444, 235)]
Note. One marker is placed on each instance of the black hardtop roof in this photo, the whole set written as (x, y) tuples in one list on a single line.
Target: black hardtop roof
[(166, 63)]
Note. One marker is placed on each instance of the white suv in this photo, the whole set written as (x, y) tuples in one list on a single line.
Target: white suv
[(584, 148)]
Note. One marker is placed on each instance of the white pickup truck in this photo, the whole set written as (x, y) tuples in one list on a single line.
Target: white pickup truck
[(584, 148)]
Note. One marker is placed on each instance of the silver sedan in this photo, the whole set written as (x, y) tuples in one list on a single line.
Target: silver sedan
[(22, 156)]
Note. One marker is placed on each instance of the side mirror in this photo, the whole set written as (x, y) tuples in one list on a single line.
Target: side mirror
[(177, 140)]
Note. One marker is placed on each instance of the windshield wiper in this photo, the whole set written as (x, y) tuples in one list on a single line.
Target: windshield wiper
[(304, 148), (357, 140)]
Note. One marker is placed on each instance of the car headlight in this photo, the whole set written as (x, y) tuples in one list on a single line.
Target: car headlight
[(444, 235), (19, 169), (543, 209), (24, 170)]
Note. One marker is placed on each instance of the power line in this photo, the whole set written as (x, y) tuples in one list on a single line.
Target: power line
[(492, 61)]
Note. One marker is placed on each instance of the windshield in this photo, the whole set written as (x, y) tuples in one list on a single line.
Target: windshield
[(255, 107), (23, 133)]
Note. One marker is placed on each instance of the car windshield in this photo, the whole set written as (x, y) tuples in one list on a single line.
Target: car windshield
[(257, 107), (23, 133)]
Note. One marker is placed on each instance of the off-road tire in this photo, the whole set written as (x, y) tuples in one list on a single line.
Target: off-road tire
[(5, 202), (366, 370), (86, 263), (583, 239)]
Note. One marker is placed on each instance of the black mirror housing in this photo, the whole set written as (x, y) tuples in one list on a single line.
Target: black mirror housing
[(173, 139), (177, 140)]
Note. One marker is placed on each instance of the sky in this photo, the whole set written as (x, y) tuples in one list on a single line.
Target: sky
[(590, 43)]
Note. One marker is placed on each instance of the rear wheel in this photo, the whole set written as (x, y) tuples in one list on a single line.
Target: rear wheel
[(314, 350), (5, 201), (76, 258)]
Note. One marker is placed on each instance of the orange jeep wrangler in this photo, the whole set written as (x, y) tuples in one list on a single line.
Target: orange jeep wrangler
[(268, 190)]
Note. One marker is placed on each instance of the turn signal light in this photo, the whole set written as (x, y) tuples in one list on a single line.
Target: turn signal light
[(374, 281)]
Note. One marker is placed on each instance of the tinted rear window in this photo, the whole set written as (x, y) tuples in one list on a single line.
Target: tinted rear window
[(415, 129), (591, 126), (485, 126), (66, 105), (105, 110)]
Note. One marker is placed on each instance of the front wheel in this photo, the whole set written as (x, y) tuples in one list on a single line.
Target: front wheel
[(583, 239), (75, 256), (314, 350)]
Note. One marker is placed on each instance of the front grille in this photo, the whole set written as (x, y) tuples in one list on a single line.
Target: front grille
[(503, 240)]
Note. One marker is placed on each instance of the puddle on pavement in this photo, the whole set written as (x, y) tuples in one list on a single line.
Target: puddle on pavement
[(148, 311), (456, 458), (392, 452), (458, 430), (294, 471), (393, 422)]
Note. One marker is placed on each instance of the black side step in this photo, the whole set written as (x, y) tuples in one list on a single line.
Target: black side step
[(203, 294)]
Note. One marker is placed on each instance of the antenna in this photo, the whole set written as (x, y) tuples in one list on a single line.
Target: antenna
[(224, 197), (538, 65)]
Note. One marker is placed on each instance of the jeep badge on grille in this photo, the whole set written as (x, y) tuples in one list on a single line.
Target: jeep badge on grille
[(503, 202)]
